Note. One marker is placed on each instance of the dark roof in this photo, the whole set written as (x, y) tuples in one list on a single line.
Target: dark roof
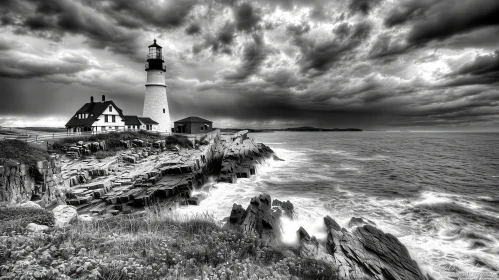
[(193, 120), (155, 45), (95, 109), (147, 121), (132, 120)]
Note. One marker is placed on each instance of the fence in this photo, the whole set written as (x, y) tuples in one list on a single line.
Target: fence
[(35, 136)]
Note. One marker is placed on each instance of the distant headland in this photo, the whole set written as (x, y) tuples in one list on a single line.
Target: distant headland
[(301, 128)]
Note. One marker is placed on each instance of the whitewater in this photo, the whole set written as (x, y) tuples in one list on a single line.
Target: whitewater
[(437, 192)]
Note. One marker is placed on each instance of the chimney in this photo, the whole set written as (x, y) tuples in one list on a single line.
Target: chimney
[(103, 98), (91, 99)]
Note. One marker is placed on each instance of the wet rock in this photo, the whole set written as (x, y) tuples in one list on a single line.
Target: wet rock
[(331, 224), (369, 253), (356, 222), (64, 215), (288, 209), (257, 219)]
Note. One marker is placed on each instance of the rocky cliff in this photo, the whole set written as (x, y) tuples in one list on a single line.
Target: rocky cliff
[(42, 183), (143, 174), (363, 252)]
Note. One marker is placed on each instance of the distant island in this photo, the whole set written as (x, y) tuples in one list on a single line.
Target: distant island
[(301, 128)]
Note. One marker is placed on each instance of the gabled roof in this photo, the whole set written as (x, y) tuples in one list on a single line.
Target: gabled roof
[(95, 109), (193, 120), (147, 121), (132, 120)]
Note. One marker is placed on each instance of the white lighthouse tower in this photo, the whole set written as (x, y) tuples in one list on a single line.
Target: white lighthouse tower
[(155, 101)]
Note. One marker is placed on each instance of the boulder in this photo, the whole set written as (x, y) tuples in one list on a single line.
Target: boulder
[(64, 215), (85, 218), (36, 227), (30, 204)]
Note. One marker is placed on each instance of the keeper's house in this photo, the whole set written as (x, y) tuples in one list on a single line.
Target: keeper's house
[(106, 116), (193, 125)]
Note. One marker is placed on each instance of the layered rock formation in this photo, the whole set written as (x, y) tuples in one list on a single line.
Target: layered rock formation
[(241, 156), (146, 174), (366, 252)]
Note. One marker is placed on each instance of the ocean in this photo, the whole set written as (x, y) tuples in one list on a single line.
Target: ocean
[(437, 192)]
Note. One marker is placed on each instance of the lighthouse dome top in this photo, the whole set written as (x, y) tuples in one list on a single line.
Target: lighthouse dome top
[(155, 45)]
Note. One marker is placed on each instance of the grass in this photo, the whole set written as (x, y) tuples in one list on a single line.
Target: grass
[(160, 245), (21, 151), (178, 140)]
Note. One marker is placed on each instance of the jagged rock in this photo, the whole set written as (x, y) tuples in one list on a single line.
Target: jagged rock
[(356, 222), (288, 209), (369, 253), (330, 223), (237, 214), (257, 219), (276, 202), (64, 215), (36, 227)]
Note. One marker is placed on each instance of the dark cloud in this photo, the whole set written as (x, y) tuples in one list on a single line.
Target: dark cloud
[(164, 14), (219, 42), (246, 17), (193, 28), (363, 6), (439, 20), (483, 70), (387, 47), (254, 54), (14, 65), (482, 65), (54, 18), (318, 57)]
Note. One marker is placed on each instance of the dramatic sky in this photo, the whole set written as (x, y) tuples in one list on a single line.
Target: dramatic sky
[(373, 64)]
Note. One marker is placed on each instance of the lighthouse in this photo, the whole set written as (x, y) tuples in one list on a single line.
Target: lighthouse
[(155, 101)]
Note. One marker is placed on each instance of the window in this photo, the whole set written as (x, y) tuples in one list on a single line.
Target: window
[(114, 118), (202, 128), (164, 111), (103, 128), (116, 128), (106, 118), (110, 108)]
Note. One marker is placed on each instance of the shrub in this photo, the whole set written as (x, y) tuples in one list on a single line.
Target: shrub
[(179, 140)]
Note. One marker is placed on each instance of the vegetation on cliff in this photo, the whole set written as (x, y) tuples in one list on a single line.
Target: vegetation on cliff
[(21, 152), (159, 245)]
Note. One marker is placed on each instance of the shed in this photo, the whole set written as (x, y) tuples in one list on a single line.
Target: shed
[(193, 125)]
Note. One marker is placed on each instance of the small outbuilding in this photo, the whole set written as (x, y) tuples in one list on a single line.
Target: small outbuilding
[(193, 125), (148, 124)]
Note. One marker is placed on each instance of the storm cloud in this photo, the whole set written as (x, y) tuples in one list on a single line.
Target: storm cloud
[(371, 64)]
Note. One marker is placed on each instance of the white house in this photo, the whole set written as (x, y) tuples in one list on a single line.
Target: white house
[(106, 116)]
